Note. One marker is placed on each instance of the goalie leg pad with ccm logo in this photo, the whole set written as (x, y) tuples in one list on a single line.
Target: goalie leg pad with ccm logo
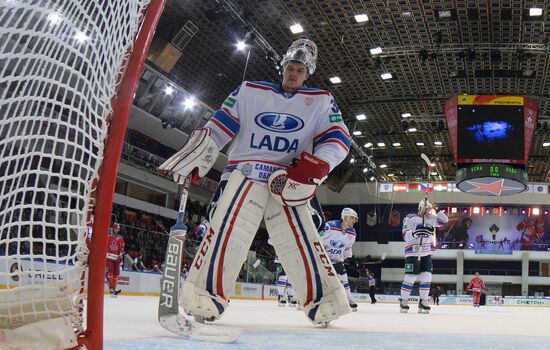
[(225, 246), (305, 261)]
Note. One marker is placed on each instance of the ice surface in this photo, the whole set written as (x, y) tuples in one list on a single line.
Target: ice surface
[(131, 323)]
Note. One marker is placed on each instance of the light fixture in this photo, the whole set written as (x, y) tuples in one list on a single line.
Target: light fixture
[(535, 11), (438, 143), (411, 129), (357, 132), (335, 80), (420, 143), (376, 50), (368, 145), (168, 90), (241, 45), (360, 117), (386, 76), (360, 18), (372, 178), (545, 144), (444, 14), (365, 170), (406, 115), (296, 28), (433, 173), (453, 210), (352, 160), (382, 166), (381, 144), (432, 164), (80, 37), (396, 144), (391, 175), (189, 103), (54, 18), (536, 211), (477, 210)]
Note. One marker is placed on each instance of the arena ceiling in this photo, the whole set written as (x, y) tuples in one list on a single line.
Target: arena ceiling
[(434, 49)]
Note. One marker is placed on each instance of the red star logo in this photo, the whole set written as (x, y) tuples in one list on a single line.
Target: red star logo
[(495, 188)]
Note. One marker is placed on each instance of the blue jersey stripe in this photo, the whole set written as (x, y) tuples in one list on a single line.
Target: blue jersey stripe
[(335, 134), (227, 121)]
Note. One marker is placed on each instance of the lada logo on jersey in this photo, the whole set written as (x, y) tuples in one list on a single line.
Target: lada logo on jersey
[(337, 244), (279, 122)]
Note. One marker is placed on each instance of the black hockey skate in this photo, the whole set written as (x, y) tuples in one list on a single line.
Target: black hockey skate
[(353, 305), (292, 302), (423, 307), (403, 306), (282, 301)]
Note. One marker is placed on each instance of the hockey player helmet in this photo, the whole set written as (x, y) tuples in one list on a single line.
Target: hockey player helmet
[(302, 51), (424, 205), (348, 212)]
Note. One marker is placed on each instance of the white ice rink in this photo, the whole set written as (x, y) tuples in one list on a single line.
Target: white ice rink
[(130, 323)]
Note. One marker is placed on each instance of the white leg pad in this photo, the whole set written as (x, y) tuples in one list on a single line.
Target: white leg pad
[(224, 247), (55, 333), (296, 241)]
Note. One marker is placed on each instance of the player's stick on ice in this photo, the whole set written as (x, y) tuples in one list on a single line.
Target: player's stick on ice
[(379, 261), (169, 315)]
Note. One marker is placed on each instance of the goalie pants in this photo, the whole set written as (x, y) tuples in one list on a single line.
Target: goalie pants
[(235, 215)]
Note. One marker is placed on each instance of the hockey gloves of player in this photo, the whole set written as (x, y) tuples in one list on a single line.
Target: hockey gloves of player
[(296, 185), (199, 154)]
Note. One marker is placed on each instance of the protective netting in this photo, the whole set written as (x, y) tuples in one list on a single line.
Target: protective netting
[(60, 65)]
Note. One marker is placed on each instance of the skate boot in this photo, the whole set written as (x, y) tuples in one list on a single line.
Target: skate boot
[(113, 292), (423, 307), (292, 302), (203, 320), (353, 305), (403, 306), (282, 301)]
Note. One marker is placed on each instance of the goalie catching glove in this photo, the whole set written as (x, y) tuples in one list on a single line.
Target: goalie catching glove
[(200, 152), (297, 185)]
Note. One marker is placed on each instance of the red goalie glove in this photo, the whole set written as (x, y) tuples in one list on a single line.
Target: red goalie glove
[(297, 185)]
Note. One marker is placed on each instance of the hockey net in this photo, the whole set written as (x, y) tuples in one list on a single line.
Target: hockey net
[(65, 95)]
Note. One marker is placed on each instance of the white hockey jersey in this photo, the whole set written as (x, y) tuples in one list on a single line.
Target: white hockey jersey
[(337, 241), (271, 127), (421, 246)]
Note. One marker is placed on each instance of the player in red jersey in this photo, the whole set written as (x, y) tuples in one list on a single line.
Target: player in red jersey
[(115, 253), (476, 285)]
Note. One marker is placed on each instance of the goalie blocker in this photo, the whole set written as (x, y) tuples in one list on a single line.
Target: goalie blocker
[(238, 207)]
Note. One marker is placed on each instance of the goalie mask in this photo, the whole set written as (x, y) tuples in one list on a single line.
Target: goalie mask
[(302, 51)]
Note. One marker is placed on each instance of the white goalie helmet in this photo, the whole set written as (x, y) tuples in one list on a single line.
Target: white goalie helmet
[(424, 204), (348, 212), (303, 51)]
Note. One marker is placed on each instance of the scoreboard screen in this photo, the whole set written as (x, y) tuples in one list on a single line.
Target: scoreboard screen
[(490, 131), (491, 128)]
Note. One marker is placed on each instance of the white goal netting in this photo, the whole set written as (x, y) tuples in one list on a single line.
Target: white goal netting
[(60, 65)]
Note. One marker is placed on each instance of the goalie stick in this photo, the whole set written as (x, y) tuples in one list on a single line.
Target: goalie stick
[(169, 315)]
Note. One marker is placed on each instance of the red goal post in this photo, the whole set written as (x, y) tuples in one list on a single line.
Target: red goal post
[(68, 74)]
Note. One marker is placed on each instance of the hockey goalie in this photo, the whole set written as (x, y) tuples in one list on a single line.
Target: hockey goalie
[(287, 138)]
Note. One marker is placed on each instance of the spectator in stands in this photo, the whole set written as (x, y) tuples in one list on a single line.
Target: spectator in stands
[(138, 264)]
